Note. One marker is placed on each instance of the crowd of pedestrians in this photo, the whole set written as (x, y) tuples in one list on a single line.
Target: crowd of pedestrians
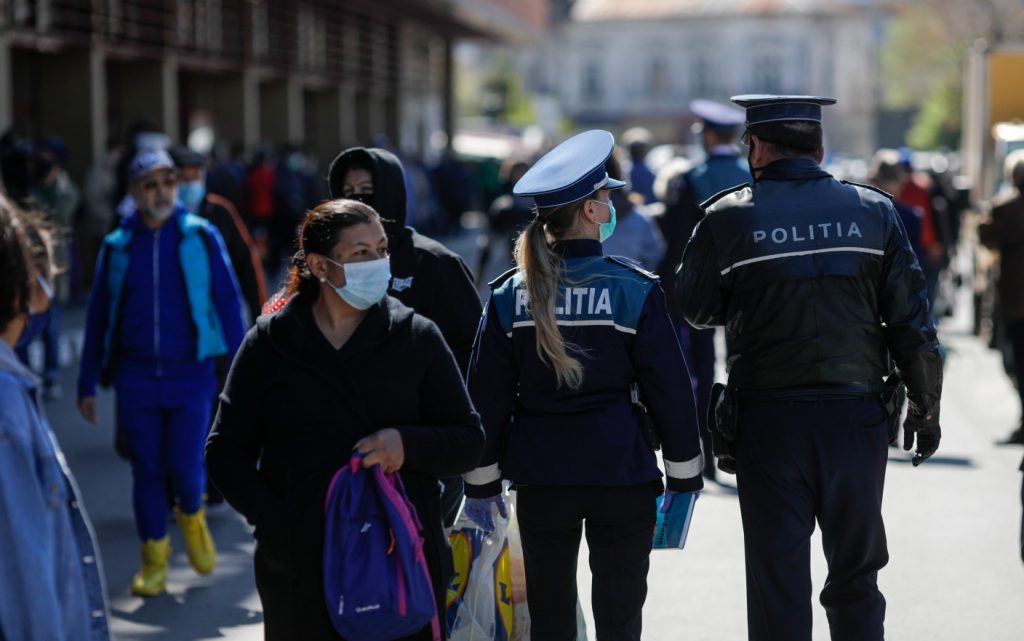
[(594, 349)]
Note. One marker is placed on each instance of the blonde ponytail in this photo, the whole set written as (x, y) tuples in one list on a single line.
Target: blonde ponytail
[(542, 271)]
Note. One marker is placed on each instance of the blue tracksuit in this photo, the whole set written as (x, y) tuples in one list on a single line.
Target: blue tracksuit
[(159, 353)]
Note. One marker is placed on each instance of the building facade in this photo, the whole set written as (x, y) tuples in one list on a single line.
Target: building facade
[(322, 74), (642, 62)]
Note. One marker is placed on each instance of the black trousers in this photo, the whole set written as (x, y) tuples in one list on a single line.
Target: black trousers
[(801, 461), (619, 527), (1015, 335)]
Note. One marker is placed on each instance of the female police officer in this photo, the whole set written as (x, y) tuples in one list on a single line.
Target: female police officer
[(563, 340)]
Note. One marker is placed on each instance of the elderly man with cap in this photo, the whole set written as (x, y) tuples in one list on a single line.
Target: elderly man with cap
[(724, 167), (577, 375), (165, 304), (818, 288)]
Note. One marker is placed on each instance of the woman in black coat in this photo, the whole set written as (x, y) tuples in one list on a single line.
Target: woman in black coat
[(342, 366)]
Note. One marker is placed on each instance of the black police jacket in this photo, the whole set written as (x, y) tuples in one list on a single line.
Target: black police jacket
[(815, 283)]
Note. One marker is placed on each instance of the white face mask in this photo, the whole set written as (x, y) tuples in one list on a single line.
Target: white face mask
[(366, 282)]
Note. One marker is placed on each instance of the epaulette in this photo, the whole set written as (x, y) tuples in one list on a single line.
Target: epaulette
[(722, 194), (871, 187), (634, 266), (500, 280)]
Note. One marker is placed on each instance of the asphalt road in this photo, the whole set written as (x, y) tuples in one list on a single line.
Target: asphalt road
[(953, 526)]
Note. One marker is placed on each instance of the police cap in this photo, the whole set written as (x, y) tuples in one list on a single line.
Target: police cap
[(571, 171), (762, 108), (715, 115)]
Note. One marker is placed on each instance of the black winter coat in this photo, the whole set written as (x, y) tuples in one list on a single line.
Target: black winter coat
[(291, 412), (815, 283)]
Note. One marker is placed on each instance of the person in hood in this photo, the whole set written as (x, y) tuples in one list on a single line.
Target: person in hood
[(425, 275), (51, 582), (165, 305), (341, 366)]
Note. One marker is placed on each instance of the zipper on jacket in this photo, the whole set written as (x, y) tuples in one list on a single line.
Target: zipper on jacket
[(156, 300)]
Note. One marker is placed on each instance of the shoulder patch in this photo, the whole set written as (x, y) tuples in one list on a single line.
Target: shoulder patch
[(633, 266), (500, 280), (871, 187), (722, 194)]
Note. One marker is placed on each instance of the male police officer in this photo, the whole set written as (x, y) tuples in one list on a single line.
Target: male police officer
[(723, 168), (817, 286)]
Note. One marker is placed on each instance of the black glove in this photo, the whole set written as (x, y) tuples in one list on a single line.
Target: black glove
[(926, 426)]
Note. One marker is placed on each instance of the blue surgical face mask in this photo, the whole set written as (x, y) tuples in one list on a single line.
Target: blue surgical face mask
[(366, 282), (37, 321), (191, 194), (608, 228)]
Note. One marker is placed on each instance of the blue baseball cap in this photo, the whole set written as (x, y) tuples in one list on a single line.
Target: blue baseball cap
[(715, 115), (146, 162), (762, 108), (571, 171)]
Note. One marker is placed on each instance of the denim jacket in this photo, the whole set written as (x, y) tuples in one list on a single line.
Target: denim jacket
[(51, 582)]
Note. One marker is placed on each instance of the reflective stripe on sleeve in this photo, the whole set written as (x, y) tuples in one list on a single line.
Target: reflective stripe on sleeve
[(483, 475), (686, 469)]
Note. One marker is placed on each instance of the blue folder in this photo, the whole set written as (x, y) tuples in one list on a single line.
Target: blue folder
[(672, 527)]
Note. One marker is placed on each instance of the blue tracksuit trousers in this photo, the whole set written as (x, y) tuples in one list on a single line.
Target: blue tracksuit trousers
[(165, 422), (801, 461)]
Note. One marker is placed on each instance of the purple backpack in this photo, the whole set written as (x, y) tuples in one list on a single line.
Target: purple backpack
[(376, 580)]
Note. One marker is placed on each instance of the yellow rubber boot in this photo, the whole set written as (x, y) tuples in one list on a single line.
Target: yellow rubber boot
[(198, 542), (152, 579)]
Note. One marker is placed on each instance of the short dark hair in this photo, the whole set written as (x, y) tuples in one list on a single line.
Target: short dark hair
[(320, 231), (788, 138)]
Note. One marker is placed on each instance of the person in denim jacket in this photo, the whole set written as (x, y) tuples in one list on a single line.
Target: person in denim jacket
[(51, 582)]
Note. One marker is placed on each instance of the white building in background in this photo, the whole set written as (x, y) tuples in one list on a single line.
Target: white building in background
[(640, 62)]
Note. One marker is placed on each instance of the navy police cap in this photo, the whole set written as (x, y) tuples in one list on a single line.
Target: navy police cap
[(763, 108), (571, 171), (716, 115)]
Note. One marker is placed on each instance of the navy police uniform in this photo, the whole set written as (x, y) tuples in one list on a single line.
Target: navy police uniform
[(722, 169), (817, 286), (581, 455)]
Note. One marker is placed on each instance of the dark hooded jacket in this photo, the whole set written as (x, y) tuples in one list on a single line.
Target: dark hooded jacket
[(426, 275), (291, 412)]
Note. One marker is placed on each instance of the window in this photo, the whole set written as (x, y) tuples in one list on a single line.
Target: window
[(593, 81), (658, 78), (702, 77)]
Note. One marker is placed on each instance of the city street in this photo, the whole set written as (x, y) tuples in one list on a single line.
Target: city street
[(953, 526)]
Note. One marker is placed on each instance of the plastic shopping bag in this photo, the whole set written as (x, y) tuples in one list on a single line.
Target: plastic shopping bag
[(487, 597), (479, 604)]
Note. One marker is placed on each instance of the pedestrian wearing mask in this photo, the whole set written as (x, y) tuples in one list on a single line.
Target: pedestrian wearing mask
[(51, 580), (341, 366), (218, 210), (425, 275), (165, 305), (570, 343), (817, 287)]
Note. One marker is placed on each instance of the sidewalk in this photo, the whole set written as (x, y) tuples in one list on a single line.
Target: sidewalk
[(953, 525)]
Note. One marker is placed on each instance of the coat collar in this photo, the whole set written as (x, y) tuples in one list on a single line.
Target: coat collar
[(793, 169), (578, 248), (293, 330), (10, 363)]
